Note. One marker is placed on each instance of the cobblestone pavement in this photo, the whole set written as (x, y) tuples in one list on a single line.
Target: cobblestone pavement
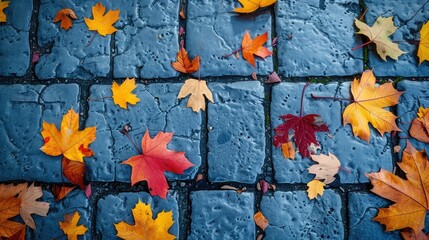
[(230, 143)]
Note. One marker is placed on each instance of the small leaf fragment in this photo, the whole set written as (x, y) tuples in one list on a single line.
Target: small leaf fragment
[(3, 5), (420, 126), (260, 220), (61, 191), (252, 5), (65, 15), (315, 187), (288, 150), (423, 52)]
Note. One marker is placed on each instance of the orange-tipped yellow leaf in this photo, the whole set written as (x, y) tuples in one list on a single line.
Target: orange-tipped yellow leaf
[(315, 187), (252, 5)]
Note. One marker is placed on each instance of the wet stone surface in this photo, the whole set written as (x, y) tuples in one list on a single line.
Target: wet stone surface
[(222, 215), (14, 39), (148, 38), (158, 110), (115, 208), (213, 30), (23, 108), (409, 20), (291, 215), (236, 139), (48, 227), (415, 95), (316, 38), (355, 155)]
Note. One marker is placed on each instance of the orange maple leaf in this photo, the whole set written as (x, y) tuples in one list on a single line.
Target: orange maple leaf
[(252, 5), (367, 106), (420, 126), (252, 47), (411, 196), (70, 227), (65, 15), (154, 161), (101, 23), (70, 142), (184, 64), (145, 227), (122, 95)]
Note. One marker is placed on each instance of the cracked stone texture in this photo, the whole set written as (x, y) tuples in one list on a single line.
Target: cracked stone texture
[(213, 30), (147, 41), (355, 154), (416, 95), (66, 53), (23, 108), (291, 215), (236, 138), (316, 38), (48, 227), (112, 209), (408, 29), (14, 39), (222, 215), (158, 110), (362, 208)]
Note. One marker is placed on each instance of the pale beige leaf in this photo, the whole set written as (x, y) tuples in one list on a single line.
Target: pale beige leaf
[(327, 167), (29, 205)]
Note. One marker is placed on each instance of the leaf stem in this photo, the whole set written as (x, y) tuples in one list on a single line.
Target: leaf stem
[(91, 40), (98, 99), (134, 143), (363, 14), (361, 46), (345, 170), (302, 98), (334, 98)]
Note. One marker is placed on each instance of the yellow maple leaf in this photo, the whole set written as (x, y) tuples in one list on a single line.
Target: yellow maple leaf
[(423, 52), (3, 5), (70, 142), (379, 34), (198, 89), (122, 95), (368, 105), (101, 23), (145, 227), (70, 227), (252, 5), (315, 187)]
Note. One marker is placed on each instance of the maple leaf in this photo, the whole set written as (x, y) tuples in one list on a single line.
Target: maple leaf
[(423, 52), (19, 234), (122, 95), (101, 23), (70, 142), (10, 228), (315, 187), (70, 227), (410, 196), (368, 105), (327, 167), (198, 89), (145, 227), (379, 34), (409, 234), (252, 5), (260, 220), (288, 150), (65, 15), (11, 190), (303, 129), (155, 160), (29, 205), (74, 171), (9, 207), (3, 5), (252, 47), (184, 64), (420, 126)]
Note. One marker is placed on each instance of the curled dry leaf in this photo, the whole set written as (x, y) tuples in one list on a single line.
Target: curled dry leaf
[(327, 167), (315, 187), (65, 15), (184, 64), (198, 89), (3, 5), (101, 23), (70, 227), (182, 13), (423, 52), (252, 5), (408, 234), (273, 78), (61, 191), (420, 126), (122, 94), (288, 150), (250, 47), (145, 227), (260, 220)]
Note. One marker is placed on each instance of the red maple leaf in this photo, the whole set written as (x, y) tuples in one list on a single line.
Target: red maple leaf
[(303, 129), (154, 161)]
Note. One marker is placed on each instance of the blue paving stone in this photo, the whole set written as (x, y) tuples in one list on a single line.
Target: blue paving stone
[(415, 95), (354, 154), (236, 138), (148, 40), (14, 39), (112, 209), (213, 30), (291, 215), (409, 22), (222, 215), (362, 208), (49, 228), (158, 110), (316, 38), (68, 55), (23, 108)]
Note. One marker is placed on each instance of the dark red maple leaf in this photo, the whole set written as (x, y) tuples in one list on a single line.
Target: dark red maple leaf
[(302, 129), (155, 160)]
